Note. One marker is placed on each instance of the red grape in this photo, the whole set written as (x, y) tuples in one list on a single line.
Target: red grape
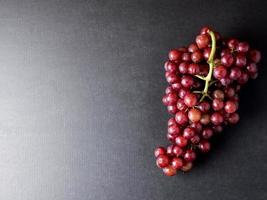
[(203, 95)]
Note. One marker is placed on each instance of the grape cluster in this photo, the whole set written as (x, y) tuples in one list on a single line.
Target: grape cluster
[(204, 81)]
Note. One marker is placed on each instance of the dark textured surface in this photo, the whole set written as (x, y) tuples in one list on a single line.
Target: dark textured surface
[(80, 108)]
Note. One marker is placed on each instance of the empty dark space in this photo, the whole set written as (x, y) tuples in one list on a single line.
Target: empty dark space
[(81, 84)]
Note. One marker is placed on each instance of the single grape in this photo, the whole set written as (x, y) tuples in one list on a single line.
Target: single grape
[(254, 55), (165, 100), (171, 67), (205, 119), (188, 133), (187, 166), (229, 92), (241, 60), (230, 107), (181, 118), (162, 161), (195, 139), (187, 81), (207, 133), (232, 44), (183, 66), (171, 77), (197, 126), (174, 129), (220, 72), (235, 73), (190, 155), (217, 129), (177, 151), (204, 30), (204, 107), (177, 163), (172, 109), (242, 47), (169, 170), (175, 55), (233, 118), (169, 90), (218, 94), (206, 53), (181, 141), (176, 86), (204, 146), (192, 48), (172, 98), (190, 100), (159, 151), (225, 51), (227, 60), (171, 137), (243, 78), (169, 150), (182, 92), (197, 56), (216, 118), (166, 64), (254, 76), (202, 41), (194, 115), (171, 122), (226, 81), (181, 105), (193, 69), (186, 57), (252, 68), (204, 70), (217, 104)]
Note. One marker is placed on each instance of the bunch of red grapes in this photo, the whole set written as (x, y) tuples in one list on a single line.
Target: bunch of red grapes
[(204, 81)]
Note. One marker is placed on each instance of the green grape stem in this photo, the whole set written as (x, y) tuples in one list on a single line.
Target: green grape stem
[(211, 63)]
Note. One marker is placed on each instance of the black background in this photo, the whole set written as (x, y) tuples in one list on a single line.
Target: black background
[(80, 100)]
